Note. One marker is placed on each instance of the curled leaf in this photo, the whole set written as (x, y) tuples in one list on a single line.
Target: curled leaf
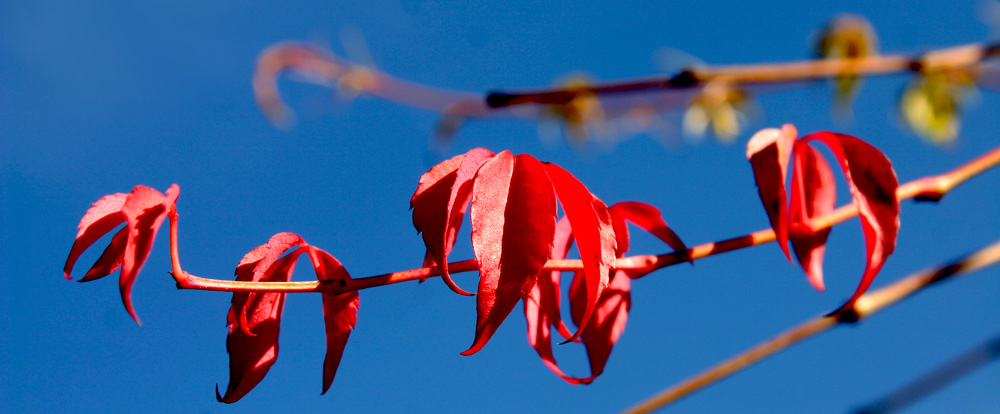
[(648, 218), (606, 325), (813, 194), (252, 344), (143, 211), (873, 186), (254, 318), (439, 204), (769, 151), (540, 334)]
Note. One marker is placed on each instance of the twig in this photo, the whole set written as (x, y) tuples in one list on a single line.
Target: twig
[(330, 70), (932, 188), (941, 376), (867, 305)]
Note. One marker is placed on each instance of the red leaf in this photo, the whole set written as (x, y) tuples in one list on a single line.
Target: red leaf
[(651, 220), (439, 204), (143, 211), (768, 152), (548, 296), (539, 334), (813, 194), (513, 223), (101, 218), (252, 354), (340, 312), (873, 186), (111, 259), (254, 268), (608, 321), (592, 228)]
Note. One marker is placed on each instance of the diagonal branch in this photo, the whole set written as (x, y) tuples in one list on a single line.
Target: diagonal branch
[(866, 306), (325, 68), (927, 188), (940, 377)]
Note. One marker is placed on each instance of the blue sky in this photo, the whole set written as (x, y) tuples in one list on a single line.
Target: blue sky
[(97, 98)]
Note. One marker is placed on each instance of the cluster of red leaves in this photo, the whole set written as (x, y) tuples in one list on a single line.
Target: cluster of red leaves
[(254, 317), (513, 207), (542, 304), (514, 233), (869, 176), (142, 211)]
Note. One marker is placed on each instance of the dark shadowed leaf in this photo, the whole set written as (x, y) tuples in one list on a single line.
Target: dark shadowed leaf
[(769, 151), (252, 354), (340, 312), (813, 194), (607, 323)]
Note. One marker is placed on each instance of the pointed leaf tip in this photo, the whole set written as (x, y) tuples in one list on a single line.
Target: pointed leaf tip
[(513, 224), (251, 355), (340, 312), (648, 218), (143, 211), (873, 185)]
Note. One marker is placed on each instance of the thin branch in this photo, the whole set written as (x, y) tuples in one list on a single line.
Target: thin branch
[(940, 377), (933, 188), (325, 68), (866, 306), (766, 73)]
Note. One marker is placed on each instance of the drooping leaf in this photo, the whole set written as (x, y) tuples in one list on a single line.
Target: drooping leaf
[(813, 194), (548, 295), (430, 211), (340, 312), (593, 231), (648, 218), (540, 334), (607, 323), (439, 204), (251, 355), (254, 268), (143, 211), (101, 218), (873, 186), (769, 151), (458, 201), (513, 224)]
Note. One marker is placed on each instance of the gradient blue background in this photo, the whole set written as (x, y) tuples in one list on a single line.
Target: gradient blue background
[(96, 97)]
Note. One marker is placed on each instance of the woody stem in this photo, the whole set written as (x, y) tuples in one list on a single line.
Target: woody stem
[(931, 187), (866, 305)]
